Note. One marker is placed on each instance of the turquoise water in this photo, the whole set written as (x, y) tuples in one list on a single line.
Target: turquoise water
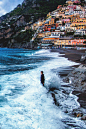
[(24, 102)]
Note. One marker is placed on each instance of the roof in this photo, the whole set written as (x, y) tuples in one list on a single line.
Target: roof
[(65, 19)]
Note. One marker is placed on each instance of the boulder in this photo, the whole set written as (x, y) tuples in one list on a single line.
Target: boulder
[(83, 117)]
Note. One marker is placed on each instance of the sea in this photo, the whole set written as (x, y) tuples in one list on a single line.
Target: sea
[(24, 102)]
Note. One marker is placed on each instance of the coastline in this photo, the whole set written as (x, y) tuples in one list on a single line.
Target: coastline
[(71, 54), (76, 77)]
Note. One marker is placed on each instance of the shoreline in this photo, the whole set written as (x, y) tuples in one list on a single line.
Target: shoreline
[(72, 54), (77, 76)]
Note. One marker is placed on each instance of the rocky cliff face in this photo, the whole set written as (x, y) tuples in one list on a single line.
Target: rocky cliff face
[(22, 17)]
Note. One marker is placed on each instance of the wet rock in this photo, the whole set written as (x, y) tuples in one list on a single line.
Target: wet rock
[(77, 78), (54, 98), (74, 113), (66, 80), (83, 58), (83, 117), (66, 111), (77, 113)]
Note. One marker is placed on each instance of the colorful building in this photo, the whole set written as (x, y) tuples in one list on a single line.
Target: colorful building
[(66, 20), (79, 20), (79, 25), (74, 17), (76, 42), (66, 42), (52, 21), (69, 3)]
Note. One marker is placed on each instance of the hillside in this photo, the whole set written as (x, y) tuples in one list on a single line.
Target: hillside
[(34, 8), (15, 26), (21, 24)]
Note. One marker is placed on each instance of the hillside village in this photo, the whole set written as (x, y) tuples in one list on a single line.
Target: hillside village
[(63, 27)]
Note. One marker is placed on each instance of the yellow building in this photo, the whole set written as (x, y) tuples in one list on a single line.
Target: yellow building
[(80, 20), (74, 17), (67, 16), (79, 25), (46, 34), (52, 21), (69, 3), (61, 42), (41, 35)]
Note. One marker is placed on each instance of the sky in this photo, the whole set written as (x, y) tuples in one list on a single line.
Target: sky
[(8, 5)]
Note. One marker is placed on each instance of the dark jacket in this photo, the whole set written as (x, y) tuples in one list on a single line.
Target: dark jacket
[(42, 78)]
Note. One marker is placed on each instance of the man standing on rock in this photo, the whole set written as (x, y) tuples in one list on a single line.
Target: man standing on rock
[(42, 78)]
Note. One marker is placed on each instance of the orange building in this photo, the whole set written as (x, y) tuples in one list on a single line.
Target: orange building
[(59, 6), (50, 38), (52, 21), (66, 42), (76, 42)]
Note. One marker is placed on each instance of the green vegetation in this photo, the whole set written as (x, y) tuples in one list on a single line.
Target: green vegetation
[(32, 10), (41, 8), (16, 11), (24, 36)]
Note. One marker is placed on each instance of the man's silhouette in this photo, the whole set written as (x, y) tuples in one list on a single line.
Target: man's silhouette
[(42, 78)]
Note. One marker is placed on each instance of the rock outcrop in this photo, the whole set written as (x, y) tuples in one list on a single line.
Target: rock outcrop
[(77, 78)]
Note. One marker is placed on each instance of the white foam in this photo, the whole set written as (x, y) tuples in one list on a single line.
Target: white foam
[(33, 107)]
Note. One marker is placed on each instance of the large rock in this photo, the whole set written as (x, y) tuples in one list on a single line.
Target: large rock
[(77, 78), (83, 117)]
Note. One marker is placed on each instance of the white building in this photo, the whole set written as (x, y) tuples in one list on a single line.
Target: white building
[(80, 32), (55, 34)]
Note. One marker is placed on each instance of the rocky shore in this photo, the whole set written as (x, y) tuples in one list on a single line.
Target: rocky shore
[(76, 78), (72, 54)]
